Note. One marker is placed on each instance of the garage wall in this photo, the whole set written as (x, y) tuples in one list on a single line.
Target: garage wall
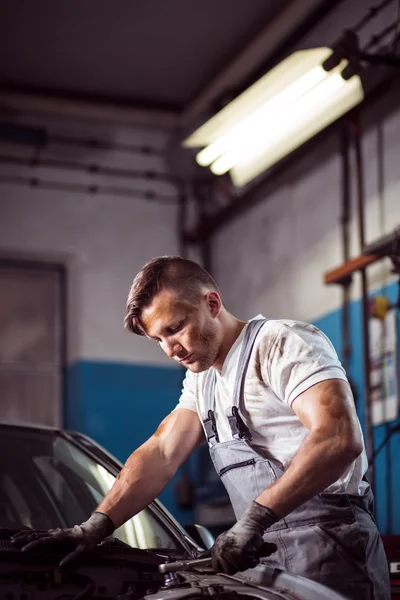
[(294, 235), (118, 386)]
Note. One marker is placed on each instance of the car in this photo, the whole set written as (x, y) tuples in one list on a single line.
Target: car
[(55, 478)]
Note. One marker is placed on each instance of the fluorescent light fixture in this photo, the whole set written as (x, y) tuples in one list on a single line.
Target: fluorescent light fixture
[(282, 110)]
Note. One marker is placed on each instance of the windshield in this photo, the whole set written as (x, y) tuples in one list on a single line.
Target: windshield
[(46, 482)]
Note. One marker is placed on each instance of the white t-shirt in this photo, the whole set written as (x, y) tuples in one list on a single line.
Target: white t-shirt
[(288, 357)]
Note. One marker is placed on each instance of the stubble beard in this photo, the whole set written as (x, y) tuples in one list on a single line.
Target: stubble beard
[(206, 357)]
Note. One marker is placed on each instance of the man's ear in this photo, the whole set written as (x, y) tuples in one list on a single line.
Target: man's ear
[(214, 303)]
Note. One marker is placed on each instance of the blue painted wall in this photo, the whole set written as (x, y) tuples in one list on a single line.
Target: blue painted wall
[(120, 406), (387, 463)]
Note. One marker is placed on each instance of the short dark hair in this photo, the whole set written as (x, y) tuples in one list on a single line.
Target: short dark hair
[(164, 272)]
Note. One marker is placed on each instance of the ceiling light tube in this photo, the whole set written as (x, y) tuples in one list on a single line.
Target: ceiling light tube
[(277, 126), (278, 113)]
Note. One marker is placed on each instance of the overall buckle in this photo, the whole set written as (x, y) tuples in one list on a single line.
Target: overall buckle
[(238, 427), (210, 427)]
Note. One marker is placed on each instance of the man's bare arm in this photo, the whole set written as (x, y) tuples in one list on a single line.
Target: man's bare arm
[(148, 470), (334, 441)]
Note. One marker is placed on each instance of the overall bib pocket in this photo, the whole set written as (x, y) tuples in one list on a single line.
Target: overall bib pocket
[(238, 465)]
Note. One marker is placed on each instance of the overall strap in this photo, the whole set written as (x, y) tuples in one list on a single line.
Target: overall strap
[(238, 427), (208, 416), (236, 423)]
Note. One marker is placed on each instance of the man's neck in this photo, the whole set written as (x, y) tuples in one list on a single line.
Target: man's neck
[(232, 328)]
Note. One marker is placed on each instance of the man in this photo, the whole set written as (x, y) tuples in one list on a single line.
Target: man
[(278, 414)]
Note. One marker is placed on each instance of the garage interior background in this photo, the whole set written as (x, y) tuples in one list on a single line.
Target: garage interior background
[(137, 78)]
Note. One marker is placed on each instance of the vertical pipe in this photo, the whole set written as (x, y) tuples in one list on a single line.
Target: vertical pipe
[(365, 304), (206, 255), (184, 489), (181, 224), (345, 220), (202, 194), (63, 345), (381, 192)]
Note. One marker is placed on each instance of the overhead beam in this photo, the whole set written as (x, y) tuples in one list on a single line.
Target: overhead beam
[(88, 110)]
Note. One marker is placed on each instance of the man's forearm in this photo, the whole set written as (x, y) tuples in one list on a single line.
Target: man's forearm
[(319, 462), (145, 474), (148, 470)]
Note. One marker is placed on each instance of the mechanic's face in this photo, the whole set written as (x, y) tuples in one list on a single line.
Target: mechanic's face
[(189, 333)]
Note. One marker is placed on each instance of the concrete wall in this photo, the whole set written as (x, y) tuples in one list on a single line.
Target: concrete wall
[(104, 240), (294, 235), (119, 386), (272, 260)]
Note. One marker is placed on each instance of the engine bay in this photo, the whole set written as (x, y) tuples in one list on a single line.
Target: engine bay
[(114, 571)]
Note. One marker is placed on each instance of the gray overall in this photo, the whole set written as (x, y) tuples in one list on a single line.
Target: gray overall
[(332, 538)]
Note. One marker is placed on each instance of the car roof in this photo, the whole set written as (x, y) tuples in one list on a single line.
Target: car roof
[(22, 425)]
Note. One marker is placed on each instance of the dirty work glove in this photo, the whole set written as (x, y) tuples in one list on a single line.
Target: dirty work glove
[(237, 549), (81, 538)]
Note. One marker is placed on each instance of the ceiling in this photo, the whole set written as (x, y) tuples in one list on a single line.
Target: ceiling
[(151, 53)]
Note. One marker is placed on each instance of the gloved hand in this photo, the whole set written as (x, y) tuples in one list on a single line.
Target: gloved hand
[(83, 538), (236, 549)]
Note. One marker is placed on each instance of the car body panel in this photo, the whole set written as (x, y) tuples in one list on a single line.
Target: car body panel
[(115, 569)]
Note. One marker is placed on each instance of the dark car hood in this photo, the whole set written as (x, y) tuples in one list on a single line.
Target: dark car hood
[(116, 571)]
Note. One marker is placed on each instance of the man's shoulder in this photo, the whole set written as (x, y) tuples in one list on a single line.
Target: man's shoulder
[(272, 326), (289, 331), (275, 326)]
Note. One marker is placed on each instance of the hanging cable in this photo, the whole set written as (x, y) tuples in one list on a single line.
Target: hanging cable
[(371, 14), (376, 39), (35, 182), (391, 431), (102, 145), (70, 165), (395, 40)]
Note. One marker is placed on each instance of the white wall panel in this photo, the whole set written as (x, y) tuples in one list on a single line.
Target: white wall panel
[(273, 259), (267, 261), (104, 240)]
